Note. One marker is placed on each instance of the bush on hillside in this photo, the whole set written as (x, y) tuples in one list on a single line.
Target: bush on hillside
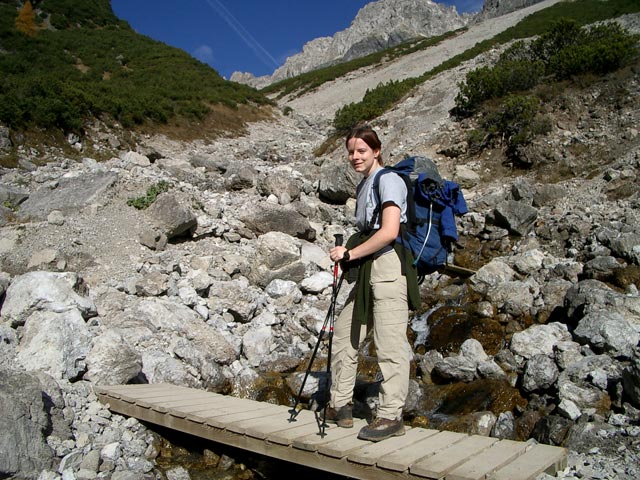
[(494, 82), (93, 65), (512, 119), (586, 12), (374, 104), (600, 50), (566, 49)]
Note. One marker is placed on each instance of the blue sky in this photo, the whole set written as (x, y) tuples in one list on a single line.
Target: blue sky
[(253, 36)]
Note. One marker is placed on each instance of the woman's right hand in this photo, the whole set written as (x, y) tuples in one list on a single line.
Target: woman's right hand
[(336, 253)]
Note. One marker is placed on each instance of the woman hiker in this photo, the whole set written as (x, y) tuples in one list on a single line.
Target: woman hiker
[(385, 290)]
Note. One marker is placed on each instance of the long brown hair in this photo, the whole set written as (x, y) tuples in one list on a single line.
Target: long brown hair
[(369, 136)]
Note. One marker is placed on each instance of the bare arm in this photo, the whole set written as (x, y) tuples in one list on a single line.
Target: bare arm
[(389, 230)]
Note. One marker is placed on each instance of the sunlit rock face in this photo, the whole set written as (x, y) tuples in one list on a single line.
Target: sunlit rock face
[(377, 26), (495, 8)]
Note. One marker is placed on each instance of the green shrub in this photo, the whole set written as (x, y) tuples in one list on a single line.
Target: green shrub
[(374, 103), (486, 83), (93, 64), (146, 200), (566, 49), (513, 123), (601, 50)]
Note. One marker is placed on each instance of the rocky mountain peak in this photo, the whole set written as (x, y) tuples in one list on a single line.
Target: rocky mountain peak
[(377, 26)]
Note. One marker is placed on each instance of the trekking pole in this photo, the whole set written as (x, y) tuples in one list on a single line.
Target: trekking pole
[(332, 309), (328, 319)]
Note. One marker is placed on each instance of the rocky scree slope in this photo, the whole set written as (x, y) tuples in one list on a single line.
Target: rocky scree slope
[(225, 277), (330, 96)]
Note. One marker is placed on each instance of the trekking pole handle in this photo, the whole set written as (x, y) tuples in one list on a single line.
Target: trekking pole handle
[(338, 237)]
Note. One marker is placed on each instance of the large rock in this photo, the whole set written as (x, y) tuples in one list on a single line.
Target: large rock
[(67, 195), (278, 256), (23, 424), (112, 360), (266, 218), (45, 291), (337, 181), (56, 343), (171, 217)]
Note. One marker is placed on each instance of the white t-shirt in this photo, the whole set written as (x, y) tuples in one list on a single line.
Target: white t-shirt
[(392, 189)]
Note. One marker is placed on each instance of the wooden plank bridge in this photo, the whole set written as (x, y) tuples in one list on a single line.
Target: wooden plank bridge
[(269, 430)]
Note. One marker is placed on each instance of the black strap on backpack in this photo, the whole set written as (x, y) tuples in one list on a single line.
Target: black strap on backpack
[(411, 210), (410, 213)]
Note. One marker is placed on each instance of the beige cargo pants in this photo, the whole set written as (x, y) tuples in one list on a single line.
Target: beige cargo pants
[(390, 315)]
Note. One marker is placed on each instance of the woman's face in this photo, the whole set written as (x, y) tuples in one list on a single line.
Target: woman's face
[(363, 159)]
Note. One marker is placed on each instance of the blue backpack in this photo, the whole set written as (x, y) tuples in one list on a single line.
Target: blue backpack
[(432, 205)]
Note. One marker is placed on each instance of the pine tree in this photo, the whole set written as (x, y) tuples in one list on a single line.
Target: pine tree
[(26, 21)]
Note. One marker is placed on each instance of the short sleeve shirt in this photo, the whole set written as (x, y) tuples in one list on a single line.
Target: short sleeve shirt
[(392, 189)]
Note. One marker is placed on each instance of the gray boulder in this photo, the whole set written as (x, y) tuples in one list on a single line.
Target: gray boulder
[(45, 291), (67, 195), (171, 217), (23, 424)]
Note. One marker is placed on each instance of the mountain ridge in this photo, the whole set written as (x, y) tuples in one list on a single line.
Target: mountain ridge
[(377, 26)]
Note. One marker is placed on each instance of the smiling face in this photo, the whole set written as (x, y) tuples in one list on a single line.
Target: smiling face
[(362, 157)]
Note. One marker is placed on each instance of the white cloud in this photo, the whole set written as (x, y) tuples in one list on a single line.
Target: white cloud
[(204, 53)]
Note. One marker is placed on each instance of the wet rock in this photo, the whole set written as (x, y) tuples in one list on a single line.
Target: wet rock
[(551, 430)]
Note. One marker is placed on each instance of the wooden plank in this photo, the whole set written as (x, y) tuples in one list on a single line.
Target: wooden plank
[(184, 400), (151, 389), (340, 447), (456, 270), (401, 460), (373, 451), (485, 463), (221, 406), (313, 441), (439, 464), (228, 421), (132, 394), (262, 428), (183, 409), (536, 460), (166, 403), (144, 398), (286, 437), (135, 387), (211, 415)]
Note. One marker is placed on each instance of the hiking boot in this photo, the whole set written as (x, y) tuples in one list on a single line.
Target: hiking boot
[(380, 429), (343, 416)]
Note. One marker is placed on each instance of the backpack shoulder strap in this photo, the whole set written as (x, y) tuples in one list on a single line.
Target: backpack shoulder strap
[(411, 211), (376, 192)]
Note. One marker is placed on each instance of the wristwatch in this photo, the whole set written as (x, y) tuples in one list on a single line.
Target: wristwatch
[(346, 257)]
